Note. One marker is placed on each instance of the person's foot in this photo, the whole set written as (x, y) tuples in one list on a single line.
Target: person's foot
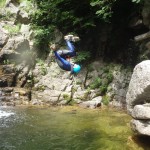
[(71, 38), (68, 37), (75, 39)]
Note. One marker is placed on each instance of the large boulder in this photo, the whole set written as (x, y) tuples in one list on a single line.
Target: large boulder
[(138, 98), (95, 102), (139, 87)]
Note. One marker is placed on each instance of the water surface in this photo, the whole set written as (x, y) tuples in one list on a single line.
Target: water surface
[(65, 128)]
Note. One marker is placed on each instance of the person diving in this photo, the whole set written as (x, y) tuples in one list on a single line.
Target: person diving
[(63, 55)]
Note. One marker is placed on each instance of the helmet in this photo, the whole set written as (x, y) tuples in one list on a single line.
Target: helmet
[(76, 68)]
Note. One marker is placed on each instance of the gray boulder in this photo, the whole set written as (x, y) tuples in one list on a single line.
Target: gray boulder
[(138, 98), (95, 102), (141, 112), (139, 87), (141, 126)]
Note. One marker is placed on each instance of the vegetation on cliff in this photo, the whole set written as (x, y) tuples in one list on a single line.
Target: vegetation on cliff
[(102, 25)]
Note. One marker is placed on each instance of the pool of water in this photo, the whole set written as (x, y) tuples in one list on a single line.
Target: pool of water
[(66, 128)]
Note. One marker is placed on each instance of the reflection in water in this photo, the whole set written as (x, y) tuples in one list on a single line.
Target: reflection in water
[(66, 128)]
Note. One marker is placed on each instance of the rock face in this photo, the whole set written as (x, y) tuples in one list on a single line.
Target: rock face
[(15, 48), (57, 87), (50, 85), (138, 98)]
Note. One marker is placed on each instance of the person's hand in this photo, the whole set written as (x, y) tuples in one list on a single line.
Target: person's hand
[(53, 47)]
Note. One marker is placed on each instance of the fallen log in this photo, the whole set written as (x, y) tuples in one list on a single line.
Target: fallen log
[(142, 37)]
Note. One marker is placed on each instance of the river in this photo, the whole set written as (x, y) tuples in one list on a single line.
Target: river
[(66, 128)]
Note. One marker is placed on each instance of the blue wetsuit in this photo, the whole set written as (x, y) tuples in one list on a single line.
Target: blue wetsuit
[(61, 56)]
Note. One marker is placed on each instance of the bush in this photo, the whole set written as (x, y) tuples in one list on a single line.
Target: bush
[(105, 100), (103, 89), (96, 83), (2, 3), (12, 29), (82, 56)]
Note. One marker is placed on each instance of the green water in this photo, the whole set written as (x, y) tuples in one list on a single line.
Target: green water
[(66, 128)]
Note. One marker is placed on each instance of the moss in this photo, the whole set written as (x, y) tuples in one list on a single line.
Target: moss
[(66, 97)]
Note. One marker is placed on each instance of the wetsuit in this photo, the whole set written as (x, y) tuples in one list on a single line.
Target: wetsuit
[(61, 56)]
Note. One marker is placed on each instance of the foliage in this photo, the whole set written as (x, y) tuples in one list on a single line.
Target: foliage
[(2, 3), (103, 89), (82, 56), (6, 61), (102, 83), (29, 6), (6, 16), (96, 83), (103, 8), (81, 17), (65, 15), (90, 68), (12, 29), (66, 97), (41, 63), (110, 77), (105, 99)]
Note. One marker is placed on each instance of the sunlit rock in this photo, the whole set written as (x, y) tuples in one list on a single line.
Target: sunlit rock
[(141, 111), (139, 87), (141, 126)]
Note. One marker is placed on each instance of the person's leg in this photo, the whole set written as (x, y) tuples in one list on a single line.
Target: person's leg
[(70, 45), (71, 48), (63, 52), (67, 53), (62, 62)]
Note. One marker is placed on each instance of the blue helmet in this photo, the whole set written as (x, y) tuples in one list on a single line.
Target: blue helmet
[(76, 68)]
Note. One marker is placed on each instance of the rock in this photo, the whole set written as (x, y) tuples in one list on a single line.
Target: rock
[(11, 8), (80, 95), (3, 37), (8, 69), (25, 30), (139, 87), (22, 17), (95, 102), (141, 126), (9, 45), (138, 98), (141, 112), (8, 2), (21, 44)]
